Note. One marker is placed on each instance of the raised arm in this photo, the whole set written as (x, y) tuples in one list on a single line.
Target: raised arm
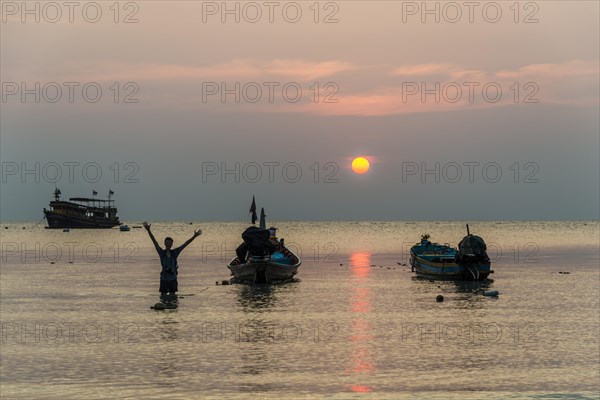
[(190, 240), (156, 246)]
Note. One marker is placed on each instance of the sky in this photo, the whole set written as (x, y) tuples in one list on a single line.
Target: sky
[(186, 109)]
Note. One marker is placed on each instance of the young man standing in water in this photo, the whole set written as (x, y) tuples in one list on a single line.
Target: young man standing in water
[(168, 261)]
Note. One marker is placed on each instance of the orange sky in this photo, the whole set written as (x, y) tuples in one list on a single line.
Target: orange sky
[(181, 83)]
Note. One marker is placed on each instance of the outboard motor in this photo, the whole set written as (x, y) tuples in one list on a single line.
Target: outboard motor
[(472, 249)]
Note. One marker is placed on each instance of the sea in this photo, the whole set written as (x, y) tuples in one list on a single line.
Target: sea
[(356, 323)]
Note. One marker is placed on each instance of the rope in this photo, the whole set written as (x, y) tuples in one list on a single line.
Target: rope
[(475, 276), (43, 218)]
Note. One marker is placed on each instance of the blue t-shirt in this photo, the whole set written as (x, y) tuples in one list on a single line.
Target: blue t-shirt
[(169, 264)]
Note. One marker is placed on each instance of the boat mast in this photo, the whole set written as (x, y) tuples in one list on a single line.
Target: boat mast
[(110, 194), (263, 219)]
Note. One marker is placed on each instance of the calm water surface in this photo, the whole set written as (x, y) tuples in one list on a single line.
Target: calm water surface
[(76, 318)]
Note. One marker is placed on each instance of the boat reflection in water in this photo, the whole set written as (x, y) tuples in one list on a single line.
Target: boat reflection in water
[(361, 361), (466, 295), (258, 296), (251, 334)]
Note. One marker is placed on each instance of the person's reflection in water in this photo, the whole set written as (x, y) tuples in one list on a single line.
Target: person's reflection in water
[(166, 362)]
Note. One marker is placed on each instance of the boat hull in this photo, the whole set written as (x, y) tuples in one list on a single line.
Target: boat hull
[(62, 221), (262, 271), (449, 269)]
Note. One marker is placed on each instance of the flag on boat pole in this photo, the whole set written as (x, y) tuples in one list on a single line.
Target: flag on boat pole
[(253, 211)]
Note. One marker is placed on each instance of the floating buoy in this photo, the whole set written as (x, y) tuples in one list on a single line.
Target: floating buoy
[(491, 293), (439, 298)]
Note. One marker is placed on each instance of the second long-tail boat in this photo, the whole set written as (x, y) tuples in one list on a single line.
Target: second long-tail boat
[(468, 262)]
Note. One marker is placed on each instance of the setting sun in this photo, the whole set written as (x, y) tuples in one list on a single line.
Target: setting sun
[(360, 165)]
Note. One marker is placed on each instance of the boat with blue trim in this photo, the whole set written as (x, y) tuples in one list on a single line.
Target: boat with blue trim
[(468, 262), (262, 257)]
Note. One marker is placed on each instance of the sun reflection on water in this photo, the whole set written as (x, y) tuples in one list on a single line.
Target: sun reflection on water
[(361, 361)]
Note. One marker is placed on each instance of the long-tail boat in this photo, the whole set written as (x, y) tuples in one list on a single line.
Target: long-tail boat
[(262, 257), (468, 262)]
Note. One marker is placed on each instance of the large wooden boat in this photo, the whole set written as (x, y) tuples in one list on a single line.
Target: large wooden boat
[(469, 262), (81, 212)]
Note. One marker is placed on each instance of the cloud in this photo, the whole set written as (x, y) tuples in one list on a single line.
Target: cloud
[(446, 87), (305, 71), (234, 70), (558, 70), (360, 90), (425, 69), (390, 101)]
